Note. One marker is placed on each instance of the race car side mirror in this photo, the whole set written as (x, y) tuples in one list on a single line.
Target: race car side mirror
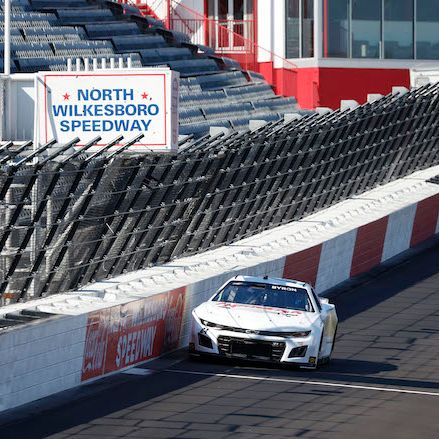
[(324, 300)]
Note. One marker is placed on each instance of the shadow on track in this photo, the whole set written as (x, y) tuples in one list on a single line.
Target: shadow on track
[(387, 284)]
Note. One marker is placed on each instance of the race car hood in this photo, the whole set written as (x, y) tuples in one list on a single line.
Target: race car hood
[(254, 317)]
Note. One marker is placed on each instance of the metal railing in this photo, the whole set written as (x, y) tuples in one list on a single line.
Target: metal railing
[(227, 37), (69, 218), (224, 36)]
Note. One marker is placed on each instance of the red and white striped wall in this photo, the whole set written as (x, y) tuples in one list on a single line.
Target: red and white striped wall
[(363, 248)]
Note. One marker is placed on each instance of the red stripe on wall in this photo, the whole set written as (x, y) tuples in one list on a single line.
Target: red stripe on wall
[(424, 226), (303, 265), (369, 246)]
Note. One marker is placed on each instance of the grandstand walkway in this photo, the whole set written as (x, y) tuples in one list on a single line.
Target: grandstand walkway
[(383, 382)]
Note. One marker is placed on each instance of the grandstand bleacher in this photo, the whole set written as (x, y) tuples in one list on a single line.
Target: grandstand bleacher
[(45, 33)]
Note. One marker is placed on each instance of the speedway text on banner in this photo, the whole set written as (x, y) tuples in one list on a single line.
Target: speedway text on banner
[(109, 104), (123, 335)]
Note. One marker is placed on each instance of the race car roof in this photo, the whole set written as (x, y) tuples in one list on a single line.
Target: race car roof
[(272, 280)]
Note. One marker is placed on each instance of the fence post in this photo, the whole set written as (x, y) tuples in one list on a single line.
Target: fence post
[(168, 14)]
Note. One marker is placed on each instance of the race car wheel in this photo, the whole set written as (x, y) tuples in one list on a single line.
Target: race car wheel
[(326, 360)]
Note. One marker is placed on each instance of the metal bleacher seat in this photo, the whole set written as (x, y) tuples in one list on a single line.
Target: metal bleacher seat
[(54, 34), (14, 69), (175, 36), (227, 110), (249, 91), (240, 123), (82, 48), (84, 15), (22, 23), (276, 103), (16, 36), (25, 15), (17, 8), (20, 4), (256, 77), (226, 63), (138, 42), (191, 115), (35, 64), (108, 30), (268, 116), (200, 98), (223, 79), (59, 62), (197, 129), (146, 21), (192, 66), (55, 4), (30, 49), (165, 54)]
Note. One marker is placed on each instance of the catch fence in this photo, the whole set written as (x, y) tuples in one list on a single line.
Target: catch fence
[(69, 217)]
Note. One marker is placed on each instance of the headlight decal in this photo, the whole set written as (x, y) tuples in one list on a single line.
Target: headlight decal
[(210, 324), (295, 334)]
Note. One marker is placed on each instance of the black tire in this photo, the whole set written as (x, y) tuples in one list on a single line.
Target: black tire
[(327, 360), (320, 361), (193, 356), (333, 340)]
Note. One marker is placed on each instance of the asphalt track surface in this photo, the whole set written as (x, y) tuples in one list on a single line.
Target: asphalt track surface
[(383, 381)]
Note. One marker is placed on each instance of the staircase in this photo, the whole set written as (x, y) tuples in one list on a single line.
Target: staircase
[(146, 10), (142, 6)]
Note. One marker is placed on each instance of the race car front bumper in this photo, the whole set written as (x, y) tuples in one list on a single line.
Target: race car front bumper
[(249, 346)]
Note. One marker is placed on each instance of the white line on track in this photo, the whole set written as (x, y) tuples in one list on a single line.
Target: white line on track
[(309, 383)]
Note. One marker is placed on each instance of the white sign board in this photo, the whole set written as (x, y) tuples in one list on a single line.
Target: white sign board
[(109, 103)]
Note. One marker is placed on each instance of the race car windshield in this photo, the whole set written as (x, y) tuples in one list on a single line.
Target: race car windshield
[(275, 296)]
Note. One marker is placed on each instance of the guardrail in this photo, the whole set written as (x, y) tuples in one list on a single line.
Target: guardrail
[(69, 218)]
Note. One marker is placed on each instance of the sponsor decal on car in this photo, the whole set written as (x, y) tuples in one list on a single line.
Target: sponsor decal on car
[(283, 288), (287, 312)]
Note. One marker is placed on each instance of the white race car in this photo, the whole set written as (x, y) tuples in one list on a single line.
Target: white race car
[(265, 319)]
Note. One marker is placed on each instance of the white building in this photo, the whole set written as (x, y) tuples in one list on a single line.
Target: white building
[(320, 51)]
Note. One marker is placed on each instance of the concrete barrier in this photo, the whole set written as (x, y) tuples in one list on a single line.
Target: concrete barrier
[(40, 359), (115, 324)]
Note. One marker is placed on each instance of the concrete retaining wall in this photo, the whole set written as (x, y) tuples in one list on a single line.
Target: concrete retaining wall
[(131, 319), (40, 359)]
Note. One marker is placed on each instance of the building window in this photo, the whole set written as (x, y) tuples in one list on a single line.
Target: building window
[(386, 29), (427, 35), (293, 29), (307, 28), (398, 29), (300, 28), (336, 28), (366, 28)]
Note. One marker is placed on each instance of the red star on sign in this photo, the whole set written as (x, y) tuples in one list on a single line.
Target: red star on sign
[(66, 97), (144, 95)]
